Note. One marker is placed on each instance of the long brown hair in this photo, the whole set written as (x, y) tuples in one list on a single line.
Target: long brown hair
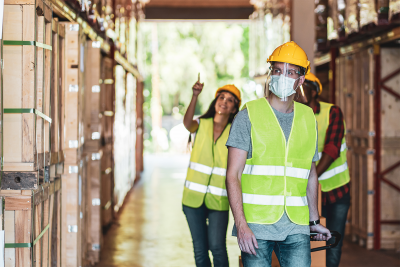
[(210, 113)]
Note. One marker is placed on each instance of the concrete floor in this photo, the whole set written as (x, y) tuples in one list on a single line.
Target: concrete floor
[(152, 230)]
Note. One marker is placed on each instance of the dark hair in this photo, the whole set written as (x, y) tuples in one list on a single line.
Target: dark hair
[(210, 113), (313, 86)]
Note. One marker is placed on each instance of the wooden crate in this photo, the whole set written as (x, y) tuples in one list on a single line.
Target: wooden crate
[(57, 101), (74, 179), (107, 99), (93, 209), (107, 95), (390, 150), (71, 69), (57, 96), (74, 227), (32, 225), (26, 93), (93, 149), (356, 92), (353, 95), (139, 129), (107, 186)]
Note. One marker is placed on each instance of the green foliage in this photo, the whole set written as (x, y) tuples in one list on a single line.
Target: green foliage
[(218, 50)]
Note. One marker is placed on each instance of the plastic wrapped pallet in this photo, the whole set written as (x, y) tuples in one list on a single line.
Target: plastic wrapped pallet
[(394, 10), (332, 20), (321, 17), (368, 14), (352, 17)]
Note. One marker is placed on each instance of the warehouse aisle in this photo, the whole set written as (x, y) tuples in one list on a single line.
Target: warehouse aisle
[(152, 230)]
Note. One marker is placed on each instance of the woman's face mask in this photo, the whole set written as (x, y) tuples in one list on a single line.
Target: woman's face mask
[(282, 86)]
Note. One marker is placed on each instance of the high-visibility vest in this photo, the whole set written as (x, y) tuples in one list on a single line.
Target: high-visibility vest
[(205, 180), (275, 179), (338, 173)]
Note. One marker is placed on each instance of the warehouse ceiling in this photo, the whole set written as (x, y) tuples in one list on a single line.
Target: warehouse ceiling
[(198, 10)]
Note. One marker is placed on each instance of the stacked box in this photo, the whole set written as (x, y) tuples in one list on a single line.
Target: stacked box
[(107, 121), (93, 148), (74, 178), (26, 94), (32, 225)]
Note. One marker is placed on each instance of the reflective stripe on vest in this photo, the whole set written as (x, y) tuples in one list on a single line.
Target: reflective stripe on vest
[(207, 170), (333, 172), (274, 200), (337, 173), (205, 189), (196, 187), (205, 180), (342, 148), (275, 179), (200, 168), (276, 171)]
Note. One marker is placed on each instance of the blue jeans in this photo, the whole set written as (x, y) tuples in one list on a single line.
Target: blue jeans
[(294, 251), (208, 236), (336, 216)]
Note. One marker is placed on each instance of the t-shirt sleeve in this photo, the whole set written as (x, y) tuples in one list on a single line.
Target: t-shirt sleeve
[(316, 155), (240, 132)]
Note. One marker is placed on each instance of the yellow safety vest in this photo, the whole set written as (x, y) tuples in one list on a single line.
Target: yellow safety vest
[(275, 178), (338, 173), (205, 180)]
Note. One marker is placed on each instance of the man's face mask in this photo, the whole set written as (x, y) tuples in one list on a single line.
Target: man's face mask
[(282, 86)]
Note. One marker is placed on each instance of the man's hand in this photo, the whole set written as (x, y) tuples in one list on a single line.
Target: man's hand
[(246, 240), (319, 228)]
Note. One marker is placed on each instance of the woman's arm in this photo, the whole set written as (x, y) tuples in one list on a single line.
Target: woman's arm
[(190, 124)]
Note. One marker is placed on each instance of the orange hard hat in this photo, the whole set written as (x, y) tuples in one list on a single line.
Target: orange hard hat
[(291, 53), (231, 89), (312, 78)]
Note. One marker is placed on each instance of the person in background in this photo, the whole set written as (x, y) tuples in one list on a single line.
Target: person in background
[(204, 194), (332, 171), (271, 179)]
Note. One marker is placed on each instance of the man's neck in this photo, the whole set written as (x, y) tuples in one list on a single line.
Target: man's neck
[(279, 105)]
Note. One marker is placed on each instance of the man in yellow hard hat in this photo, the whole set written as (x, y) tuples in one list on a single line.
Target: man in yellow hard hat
[(332, 171), (271, 179)]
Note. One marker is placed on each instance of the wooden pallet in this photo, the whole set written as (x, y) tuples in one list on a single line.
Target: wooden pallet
[(26, 94), (32, 225)]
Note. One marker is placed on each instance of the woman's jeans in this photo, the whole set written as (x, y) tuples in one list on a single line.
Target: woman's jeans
[(336, 216), (208, 236), (294, 251)]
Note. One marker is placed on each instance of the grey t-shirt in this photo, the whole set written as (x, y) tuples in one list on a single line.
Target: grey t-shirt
[(240, 137)]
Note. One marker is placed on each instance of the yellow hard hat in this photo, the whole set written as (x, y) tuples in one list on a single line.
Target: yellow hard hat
[(291, 53), (231, 89), (311, 77)]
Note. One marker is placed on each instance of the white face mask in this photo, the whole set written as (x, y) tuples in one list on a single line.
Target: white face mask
[(282, 86)]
